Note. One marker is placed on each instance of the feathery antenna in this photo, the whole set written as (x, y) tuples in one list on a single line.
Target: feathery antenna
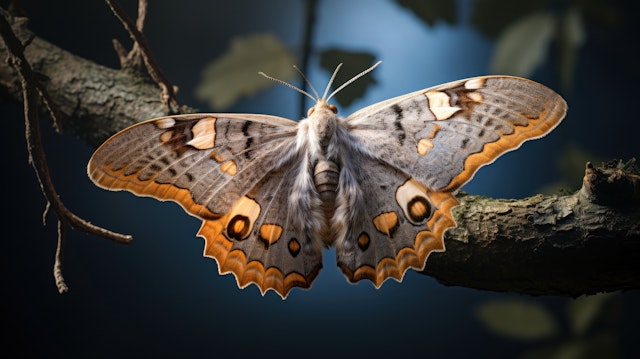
[(352, 79), (326, 90), (289, 85), (307, 81)]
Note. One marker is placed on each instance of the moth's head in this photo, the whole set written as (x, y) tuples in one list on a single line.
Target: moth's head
[(322, 106)]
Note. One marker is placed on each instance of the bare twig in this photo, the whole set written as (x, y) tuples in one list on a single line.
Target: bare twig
[(168, 93), (57, 265), (34, 143), (48, 102), (38, 78), (133, 59), (30, 95)]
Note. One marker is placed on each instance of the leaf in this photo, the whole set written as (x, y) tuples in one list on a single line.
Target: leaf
[(602, 345), (523, 46), (583, 310), (430, 11), (570, 163), (606, 15), (235, 73), (491, 17), (517, 319), (572, 36), (353, 64), (569, 350)]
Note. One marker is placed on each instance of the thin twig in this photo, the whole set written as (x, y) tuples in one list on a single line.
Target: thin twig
[(30, 95), (32, 132), (168, 93), (133, 59), (48, 102), (142, 14), (38, 79), (123, 55), (57, 265)]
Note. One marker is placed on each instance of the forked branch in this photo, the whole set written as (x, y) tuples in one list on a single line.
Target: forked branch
[(135, 32), (32, 91)]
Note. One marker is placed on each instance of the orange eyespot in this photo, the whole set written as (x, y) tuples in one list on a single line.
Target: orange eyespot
[(310, 111), (333, 108)]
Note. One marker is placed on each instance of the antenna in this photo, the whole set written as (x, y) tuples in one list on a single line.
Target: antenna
[(290, 85), (326, 90), (335, 72), (307, 81), (350, 81)]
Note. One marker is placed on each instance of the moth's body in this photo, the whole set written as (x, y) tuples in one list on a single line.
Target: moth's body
[(332, 154), (322, 135), (377, 185)]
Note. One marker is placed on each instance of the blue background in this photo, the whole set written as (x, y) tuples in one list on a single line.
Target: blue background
[(159, 296)]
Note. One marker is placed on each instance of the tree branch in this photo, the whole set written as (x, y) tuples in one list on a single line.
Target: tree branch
[(95, 101), (32, 91), (555, 245), (558, 245)]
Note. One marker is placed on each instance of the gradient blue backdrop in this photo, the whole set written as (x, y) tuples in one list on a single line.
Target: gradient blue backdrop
[(160, 297)]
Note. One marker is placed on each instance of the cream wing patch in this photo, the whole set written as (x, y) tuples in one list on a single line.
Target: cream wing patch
[(204, 134), (440, 105)]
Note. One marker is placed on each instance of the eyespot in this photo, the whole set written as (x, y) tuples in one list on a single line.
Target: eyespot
[(419, 209), (310, 111), (333, 108), (412, 197), (238, 227)]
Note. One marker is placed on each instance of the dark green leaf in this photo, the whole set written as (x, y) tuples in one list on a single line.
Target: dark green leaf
[(583, 310), (570, 163), (568, 350), (491, 17), (601, 345), (571, 37), (430, 11), (607, 15), (353, 64), (517, 319), (523, 45)]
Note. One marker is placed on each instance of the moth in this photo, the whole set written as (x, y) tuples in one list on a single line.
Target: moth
[(377, 185)]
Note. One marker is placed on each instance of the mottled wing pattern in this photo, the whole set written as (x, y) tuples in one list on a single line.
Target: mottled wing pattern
[(445, 133), (424, 145), (235, 172)]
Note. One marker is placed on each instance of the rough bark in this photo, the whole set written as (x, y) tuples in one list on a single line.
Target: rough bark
[(582, 243), (551, 245), (95, 101)]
